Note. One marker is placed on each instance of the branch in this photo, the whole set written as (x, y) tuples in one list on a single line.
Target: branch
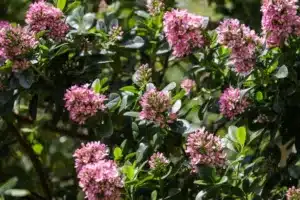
[(34, 159)]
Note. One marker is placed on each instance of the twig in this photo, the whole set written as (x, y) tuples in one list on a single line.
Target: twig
[(34, 159)]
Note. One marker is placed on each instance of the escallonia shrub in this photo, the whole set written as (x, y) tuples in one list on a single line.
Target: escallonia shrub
[(143, 101)]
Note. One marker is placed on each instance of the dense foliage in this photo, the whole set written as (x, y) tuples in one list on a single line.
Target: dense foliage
[(141, 101)]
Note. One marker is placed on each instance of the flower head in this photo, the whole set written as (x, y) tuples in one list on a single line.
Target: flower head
[(188, 85), (16, 42), (158, 163), (205, 148), (101, 181), (155, 106), (155, 7), (83, 103), (115, 34), (19, 65), (43, 16), (232, 103), (90, 153), (293, 193), (241, 41), (279, 19), (142, 75), (184, 31)]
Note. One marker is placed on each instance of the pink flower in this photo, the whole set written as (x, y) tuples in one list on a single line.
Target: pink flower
[(42, 16), (155, 7), (279, 20), (19, 65), (90, 153), (155, 106), (83, 103), (293, 193), (188, 85), (204, 148), (101, 181), (184, 31), (4, 24), (232, 103), (16, 42), (158, 160), (241, 41)]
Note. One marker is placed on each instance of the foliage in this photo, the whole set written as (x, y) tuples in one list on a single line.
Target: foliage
[(122, 61)]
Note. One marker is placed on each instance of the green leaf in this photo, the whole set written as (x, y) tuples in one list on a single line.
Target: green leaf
[(259, 96), (88, 20), (118, 153), (163, 48), (73, 5), (135, 43), (38, 148), (176, 107), (282, 72), (169, 87), (140, 152), (80, 196), (96, 86), (201, 182), (113, 100), (132, 114), (154, 195), (241, 135), (61, 4), (143, 14), (26, 79), (128, 170), (17, 192), (223, 180), (130, 89), (232, 133), (201, 195), (8, 184)]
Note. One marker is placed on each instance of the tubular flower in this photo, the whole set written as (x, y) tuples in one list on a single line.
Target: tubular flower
[(158, 163), (155, 7), (293, 193), (205, 148), (155, 105), (83, 103), (90, 153), (4, 24), (188, 85), (19, 65), (279, 20), (16, 42), (184, 31), (241, 41), (232, 103), (101, 181), (115, 33), (142, 75), (43, 16)]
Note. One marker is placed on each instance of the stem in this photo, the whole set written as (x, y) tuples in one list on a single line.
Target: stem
[(161, 189), (34, 159)]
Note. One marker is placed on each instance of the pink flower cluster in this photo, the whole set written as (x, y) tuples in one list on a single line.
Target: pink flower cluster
[(232, 103), (82, 103), (98, 177), (158, 161), (204, 148), (279, 20), (155, 7), (241, 41), (42, 16), (15, 44), (188, 85), (90, 153), (4, 24), (184, 31), (293, 193), (155, 106)]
